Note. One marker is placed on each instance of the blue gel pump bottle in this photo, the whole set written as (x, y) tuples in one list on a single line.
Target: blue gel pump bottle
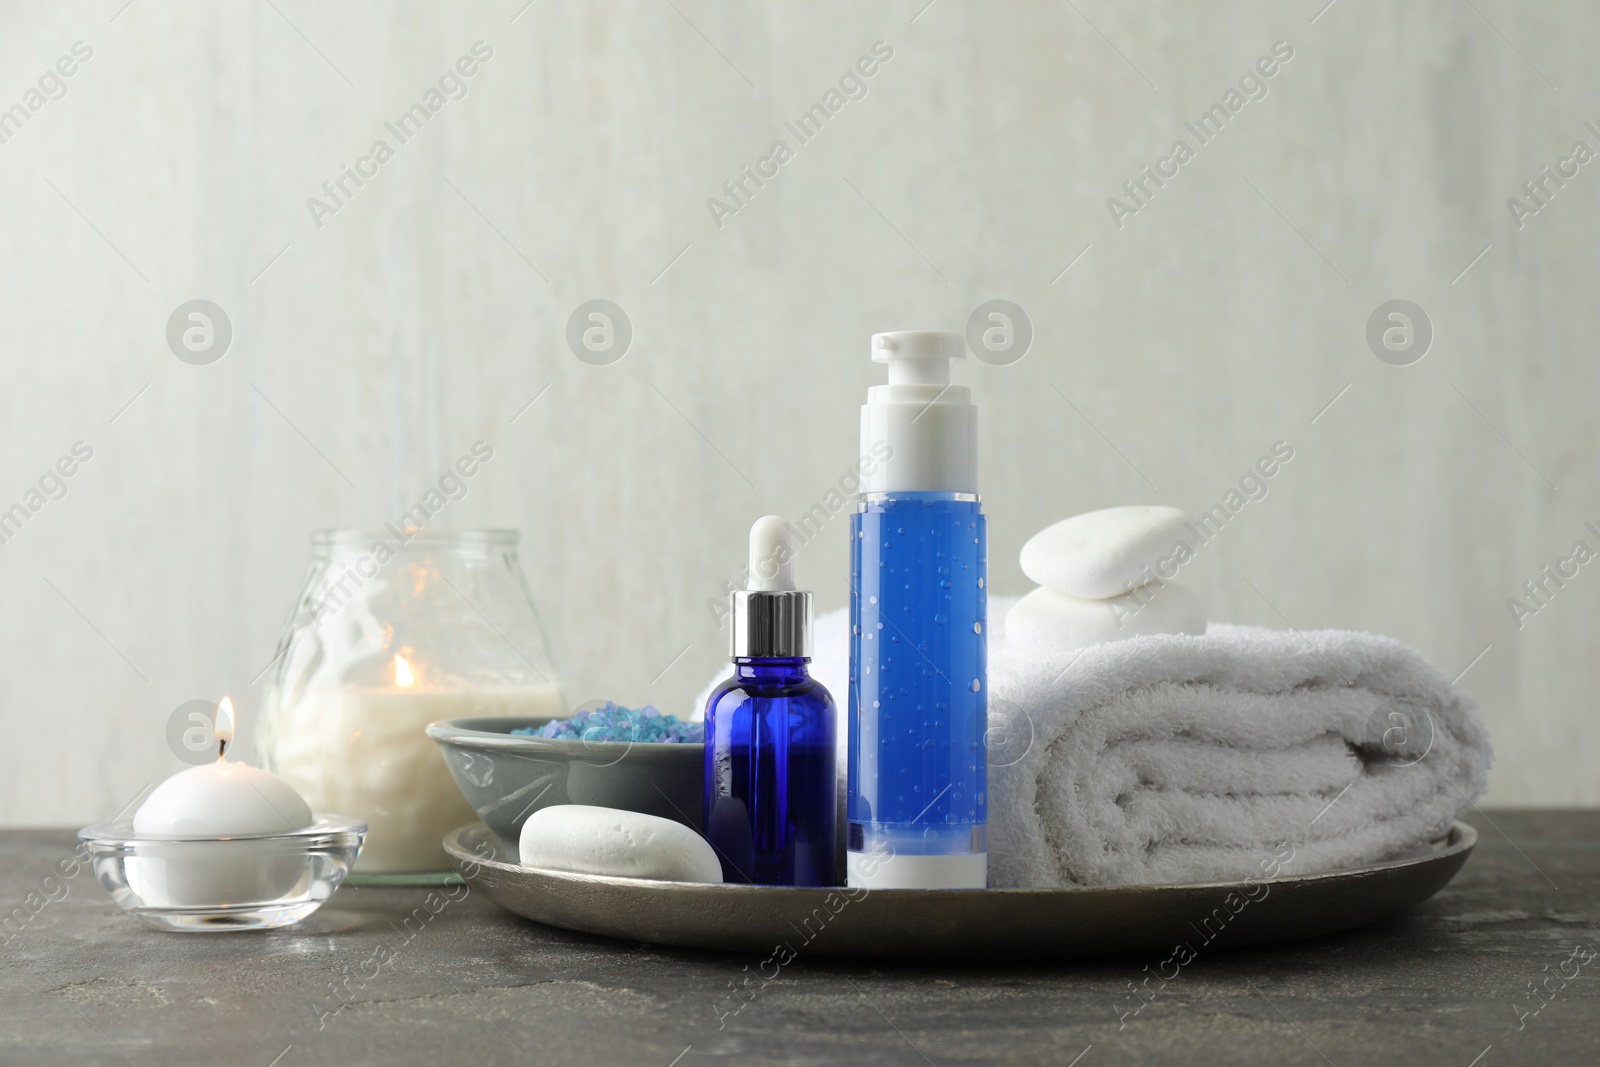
[(917, 806), (769, 772)]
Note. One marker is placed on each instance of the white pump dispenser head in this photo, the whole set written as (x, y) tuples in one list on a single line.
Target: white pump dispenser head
[(929, 425), (771, 555)]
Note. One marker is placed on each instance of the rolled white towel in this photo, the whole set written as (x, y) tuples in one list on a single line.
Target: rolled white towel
[(1175, 758), (1172, 758)]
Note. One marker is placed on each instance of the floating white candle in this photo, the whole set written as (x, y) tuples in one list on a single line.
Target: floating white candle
[(222, 799), (207, 807)]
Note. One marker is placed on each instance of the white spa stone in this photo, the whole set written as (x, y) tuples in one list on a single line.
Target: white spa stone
[(627, 844), (1046, 621), (1102, 554)]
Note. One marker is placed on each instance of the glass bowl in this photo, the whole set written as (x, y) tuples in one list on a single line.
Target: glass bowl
[(212, 884)]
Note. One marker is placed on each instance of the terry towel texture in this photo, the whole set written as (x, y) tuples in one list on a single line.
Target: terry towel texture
[(1179, 759)]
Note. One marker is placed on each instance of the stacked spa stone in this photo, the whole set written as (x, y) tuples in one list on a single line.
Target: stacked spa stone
[(1105, 576)]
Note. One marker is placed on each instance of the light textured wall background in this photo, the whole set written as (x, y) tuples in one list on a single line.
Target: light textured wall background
[(430, 310)]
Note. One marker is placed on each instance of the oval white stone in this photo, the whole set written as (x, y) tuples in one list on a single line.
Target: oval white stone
[(1048, 621), (1101, 554), (591, 840)]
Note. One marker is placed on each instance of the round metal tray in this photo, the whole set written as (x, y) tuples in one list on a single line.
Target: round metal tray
[(958, 924)]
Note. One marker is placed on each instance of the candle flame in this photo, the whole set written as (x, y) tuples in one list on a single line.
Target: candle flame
[(404, 676), (222, 730)]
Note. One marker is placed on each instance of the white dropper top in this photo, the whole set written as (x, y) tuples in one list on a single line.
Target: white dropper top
[(771, 555), (771, 618)]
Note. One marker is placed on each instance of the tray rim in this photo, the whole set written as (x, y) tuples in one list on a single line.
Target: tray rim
[(1460, 839)]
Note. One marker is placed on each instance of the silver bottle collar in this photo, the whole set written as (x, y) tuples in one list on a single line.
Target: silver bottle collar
[(774, 625)]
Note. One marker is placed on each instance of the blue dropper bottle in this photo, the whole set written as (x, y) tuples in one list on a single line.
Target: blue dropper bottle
[(769, 773), (919, 687)]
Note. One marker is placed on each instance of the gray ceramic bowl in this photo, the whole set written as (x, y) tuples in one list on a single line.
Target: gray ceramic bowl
[(506, 777)]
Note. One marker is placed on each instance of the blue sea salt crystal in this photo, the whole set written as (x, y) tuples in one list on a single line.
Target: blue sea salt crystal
[(613, 722)]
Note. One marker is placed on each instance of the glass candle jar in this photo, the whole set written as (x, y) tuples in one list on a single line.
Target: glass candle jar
[(395, 629)]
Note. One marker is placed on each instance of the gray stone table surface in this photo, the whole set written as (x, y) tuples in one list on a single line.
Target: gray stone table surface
[(1450, 982)]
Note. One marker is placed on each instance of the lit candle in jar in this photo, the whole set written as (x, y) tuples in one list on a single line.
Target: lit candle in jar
[(364, 751)]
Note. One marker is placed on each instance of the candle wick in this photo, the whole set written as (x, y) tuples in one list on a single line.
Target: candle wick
[(222, 749)]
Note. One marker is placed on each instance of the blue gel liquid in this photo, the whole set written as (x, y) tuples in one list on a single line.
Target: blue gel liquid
[(918, 675)]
